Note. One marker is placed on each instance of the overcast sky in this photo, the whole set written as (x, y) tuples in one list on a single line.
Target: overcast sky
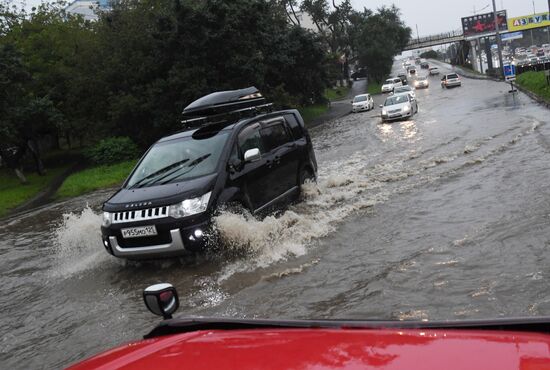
[(436, 16)]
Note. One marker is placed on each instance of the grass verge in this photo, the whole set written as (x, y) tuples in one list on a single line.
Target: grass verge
[(95, 178), (337, 93), (13, 193), (535, 82), (311, 112), (374, 88)]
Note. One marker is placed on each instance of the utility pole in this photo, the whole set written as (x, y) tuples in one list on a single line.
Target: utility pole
[(499, 44), (418, 37)]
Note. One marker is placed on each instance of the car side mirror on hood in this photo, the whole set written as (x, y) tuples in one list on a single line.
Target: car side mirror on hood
[(161, 299)]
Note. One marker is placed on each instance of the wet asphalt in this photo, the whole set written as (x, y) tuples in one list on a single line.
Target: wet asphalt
[(442, 216)]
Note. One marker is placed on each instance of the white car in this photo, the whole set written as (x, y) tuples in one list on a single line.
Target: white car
[(450, 80), (404, 90), (361, 103), (398, 106), (390, 84), (421, 82), (433, 71)]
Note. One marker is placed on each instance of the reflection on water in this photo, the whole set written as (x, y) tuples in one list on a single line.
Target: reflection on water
[(386, 131), (400, 130), (409, 129)]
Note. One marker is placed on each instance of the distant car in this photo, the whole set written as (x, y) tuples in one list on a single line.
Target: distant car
[(434, 71), (398, 106), (412, 71), (359, 73), (362, 102), (424, 65), (404, 90), (450, 80), (533, 60), (390, 84), (421, 82), (403, 77)]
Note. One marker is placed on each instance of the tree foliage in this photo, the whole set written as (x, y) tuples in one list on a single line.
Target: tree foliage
[(379, 37), (131, 72)]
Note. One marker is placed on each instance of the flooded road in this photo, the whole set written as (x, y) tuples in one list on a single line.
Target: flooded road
[(444, 216)]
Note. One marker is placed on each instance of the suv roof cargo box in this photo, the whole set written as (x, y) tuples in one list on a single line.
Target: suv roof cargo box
[(224, 106)]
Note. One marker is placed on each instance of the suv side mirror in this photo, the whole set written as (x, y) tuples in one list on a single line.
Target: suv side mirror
[(381, 106), (161, 299), (252, 155)]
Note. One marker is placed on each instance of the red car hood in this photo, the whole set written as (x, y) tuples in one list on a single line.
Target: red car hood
[(332, 349)]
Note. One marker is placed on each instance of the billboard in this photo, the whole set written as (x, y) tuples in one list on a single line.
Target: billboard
[(482, 24), (529, 21)]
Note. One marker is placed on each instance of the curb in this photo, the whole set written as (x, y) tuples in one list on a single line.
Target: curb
[(533, 96)]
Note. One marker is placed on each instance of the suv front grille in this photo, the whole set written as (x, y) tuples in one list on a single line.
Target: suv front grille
[(140, 215)]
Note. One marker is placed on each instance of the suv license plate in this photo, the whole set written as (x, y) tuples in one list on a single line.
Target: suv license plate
[(137, 232)]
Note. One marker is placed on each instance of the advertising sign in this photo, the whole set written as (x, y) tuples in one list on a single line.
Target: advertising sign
[(529, 21), (482, 24), (509, 72), (511, 36)]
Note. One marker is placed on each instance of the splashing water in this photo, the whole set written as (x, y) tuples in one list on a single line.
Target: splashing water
[(77, 243)]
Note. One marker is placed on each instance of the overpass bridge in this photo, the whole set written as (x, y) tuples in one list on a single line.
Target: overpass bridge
[(433, 40)]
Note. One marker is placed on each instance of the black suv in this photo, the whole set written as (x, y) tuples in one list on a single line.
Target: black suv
[(235, 150)]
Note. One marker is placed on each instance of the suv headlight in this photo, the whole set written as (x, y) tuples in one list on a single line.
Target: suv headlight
[(406, 108), (384, 112), (107, 219), (189, 207)]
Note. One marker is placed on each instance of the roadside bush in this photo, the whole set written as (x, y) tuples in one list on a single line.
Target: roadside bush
[(112, 150)]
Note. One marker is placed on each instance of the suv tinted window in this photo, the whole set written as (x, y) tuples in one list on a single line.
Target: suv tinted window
[(250, 138), (452, 76), (274, 136), (294, 126)]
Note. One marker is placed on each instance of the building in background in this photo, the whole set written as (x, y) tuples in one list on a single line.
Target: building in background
[(87, 8)]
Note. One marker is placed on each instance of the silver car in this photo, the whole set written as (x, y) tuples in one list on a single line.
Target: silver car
[(450, 80), (398, 106), (361, 103), (404, 89), (390, 84), (421, 82)]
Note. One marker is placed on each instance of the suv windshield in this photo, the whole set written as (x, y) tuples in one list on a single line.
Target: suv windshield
[(361, 98), (389, 81), (452, 76), (177, 160)]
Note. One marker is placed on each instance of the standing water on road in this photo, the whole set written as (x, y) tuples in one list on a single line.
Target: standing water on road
[(443, 216)]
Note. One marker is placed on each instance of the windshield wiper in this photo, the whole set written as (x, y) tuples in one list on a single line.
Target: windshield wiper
[(191, 165), (157, 173)]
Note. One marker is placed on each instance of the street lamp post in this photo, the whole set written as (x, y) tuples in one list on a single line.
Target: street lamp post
[(499, 44)]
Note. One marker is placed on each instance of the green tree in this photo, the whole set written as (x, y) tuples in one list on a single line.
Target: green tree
[(379, 37)]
